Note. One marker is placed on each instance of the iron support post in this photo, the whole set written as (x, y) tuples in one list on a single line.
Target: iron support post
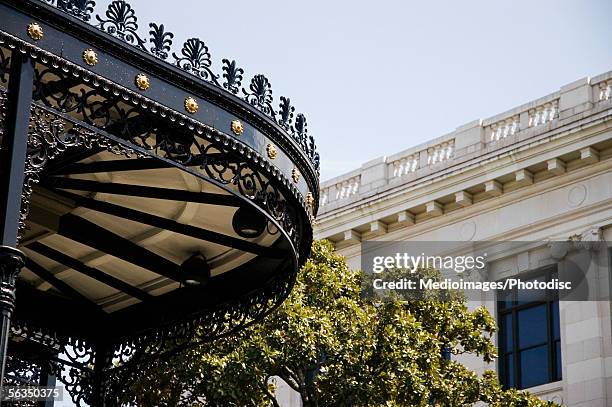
[(12, 166)]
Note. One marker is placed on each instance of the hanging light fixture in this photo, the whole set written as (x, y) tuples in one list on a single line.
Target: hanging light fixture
[(248, 223), (195, 270)]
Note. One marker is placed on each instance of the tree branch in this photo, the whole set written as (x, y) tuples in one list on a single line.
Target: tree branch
[(289, 378), (267, 392)]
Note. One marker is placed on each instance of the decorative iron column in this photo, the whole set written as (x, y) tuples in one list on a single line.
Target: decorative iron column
[(12, 168), (11, 262)]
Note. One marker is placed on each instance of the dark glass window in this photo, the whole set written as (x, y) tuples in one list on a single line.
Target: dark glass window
[(529, 339)]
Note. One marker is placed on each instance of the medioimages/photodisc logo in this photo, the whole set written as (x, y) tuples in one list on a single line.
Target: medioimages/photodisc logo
[(488, 270)]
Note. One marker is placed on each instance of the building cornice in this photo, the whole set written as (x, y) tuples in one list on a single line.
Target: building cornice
[(576, 106), (410, 197)]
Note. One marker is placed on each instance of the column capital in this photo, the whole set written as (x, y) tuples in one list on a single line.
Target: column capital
[(11, 263)]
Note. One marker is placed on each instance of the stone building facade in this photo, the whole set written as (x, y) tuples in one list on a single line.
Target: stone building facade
[(538, 173)]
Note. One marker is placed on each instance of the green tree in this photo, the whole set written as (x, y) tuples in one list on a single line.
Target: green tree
[(338, 350)]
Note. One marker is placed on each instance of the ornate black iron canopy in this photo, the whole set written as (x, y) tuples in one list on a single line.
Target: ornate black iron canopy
[(158, 204)]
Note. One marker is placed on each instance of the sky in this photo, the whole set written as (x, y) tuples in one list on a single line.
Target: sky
[(378, 77), (374, 78)]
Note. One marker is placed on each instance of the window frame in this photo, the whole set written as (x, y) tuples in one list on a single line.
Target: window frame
[(550, 300)]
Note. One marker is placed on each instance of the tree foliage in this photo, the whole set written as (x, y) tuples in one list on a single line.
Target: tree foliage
[(338, 350)]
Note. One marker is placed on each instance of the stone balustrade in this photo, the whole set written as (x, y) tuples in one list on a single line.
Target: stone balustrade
[(347, 188), (543, 114), (341, 190), (529, 115), (473, 139), (517, 121), (603, 90), (404, 166), (407, 164), (440, 152), (503, 128)]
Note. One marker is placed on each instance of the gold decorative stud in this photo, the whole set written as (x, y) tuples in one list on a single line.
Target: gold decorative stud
[(90, 57), (295, 175), (35, 31), (191, 105), (271, 151), (237, 127), (309, 200), (142, 81)]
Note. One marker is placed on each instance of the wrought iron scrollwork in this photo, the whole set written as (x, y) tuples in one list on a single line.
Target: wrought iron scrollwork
[(78, 372), (123, 360), (49, 137), (132, 355), (81, 9), (300, 134), (121, 22), (21, 372), (25, 371), (90, 105), (232, 75), (230, 169), (285, 114), (161, 40), (196, 60), (70, 360), (112, 113), (260, 94)]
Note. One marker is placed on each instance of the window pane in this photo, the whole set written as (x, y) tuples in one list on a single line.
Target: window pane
[(534, 367), (554, 312), (532, 326), (558, 374), (506, 333), (508, 370)]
